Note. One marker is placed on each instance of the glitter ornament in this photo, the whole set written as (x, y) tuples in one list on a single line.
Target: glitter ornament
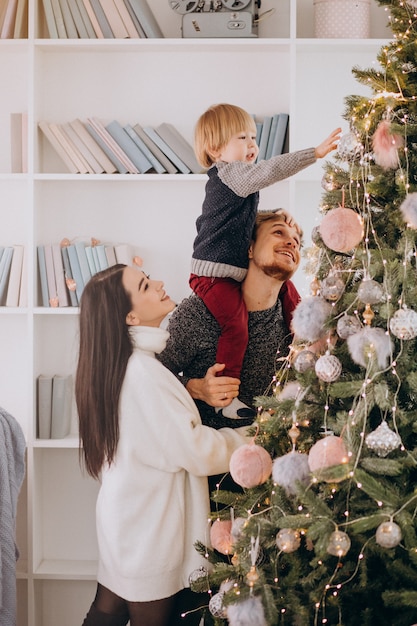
[(220, 536), (290, 469), (339, 543), (349, 147), (250, 465), (328, 368), (341, 229), (348, 325), (309, 318), (328, 182), (409, 209), (383, 440), (332, 287), (288, 540), (388, 535), (328, 452), (370, 344), (216, 607), (370, 291), (304, 361), (403, 324), (197, 576)]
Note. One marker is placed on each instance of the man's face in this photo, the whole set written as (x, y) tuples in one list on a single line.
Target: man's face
[(276, 250)]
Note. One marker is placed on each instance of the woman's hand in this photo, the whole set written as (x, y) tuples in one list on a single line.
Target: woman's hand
[(328, 144)]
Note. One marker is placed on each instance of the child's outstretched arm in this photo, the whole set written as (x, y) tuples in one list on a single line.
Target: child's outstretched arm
[(328, 144)]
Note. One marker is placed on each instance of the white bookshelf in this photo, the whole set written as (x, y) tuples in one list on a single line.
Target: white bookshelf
[(145, 81)]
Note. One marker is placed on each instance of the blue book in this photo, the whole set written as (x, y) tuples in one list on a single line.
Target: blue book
[(101, 256), (5, 263), (42, 276), (68, 276), (157, 166), (76, 270), (280, 134), (263, 143), (271, 137), (128, 146), (83, 261), (109, 153), (162, 145)]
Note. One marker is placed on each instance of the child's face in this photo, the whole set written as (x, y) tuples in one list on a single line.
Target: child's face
[(241, 147)]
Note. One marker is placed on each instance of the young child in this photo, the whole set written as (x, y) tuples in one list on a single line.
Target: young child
[(225, 142)]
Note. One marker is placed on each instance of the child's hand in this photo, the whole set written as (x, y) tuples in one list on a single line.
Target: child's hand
[(328, 144)]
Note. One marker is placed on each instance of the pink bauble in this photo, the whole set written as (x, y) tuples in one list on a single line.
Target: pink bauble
[(327, 452), (250, 465), (220, 536), (341, 229)]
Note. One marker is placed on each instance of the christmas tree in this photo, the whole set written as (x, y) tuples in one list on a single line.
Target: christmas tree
[(324, 531)]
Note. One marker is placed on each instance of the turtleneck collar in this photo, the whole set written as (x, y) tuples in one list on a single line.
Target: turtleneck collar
[(148, 338)]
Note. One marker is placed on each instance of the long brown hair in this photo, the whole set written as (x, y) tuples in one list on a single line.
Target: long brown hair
[(104, 350)]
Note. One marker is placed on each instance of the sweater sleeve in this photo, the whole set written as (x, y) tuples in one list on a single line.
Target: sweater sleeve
[(164, 428), (246, 178)]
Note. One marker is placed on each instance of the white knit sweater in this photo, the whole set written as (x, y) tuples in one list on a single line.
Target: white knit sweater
[(153, 503)]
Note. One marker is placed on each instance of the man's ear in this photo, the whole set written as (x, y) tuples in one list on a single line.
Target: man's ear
[(132, 319), (250, 251)]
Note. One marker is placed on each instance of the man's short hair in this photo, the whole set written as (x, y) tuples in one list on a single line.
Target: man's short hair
[(273, 214)]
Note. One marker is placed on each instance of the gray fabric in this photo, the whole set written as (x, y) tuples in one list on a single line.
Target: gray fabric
[(12, 471)]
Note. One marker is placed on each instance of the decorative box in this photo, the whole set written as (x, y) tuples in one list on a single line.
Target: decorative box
[(342, 19)]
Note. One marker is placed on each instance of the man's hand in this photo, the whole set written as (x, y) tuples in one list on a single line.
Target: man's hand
[(328, 144), (212, 389)]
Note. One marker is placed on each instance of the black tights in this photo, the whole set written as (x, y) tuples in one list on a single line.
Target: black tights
[(165, 612)]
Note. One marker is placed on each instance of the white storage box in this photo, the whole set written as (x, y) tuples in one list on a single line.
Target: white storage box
[(342, 19)]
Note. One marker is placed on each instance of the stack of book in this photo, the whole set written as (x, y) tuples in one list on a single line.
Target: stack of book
[(271, 135), (54, 402), (65, 268), (100, 19), (92, 147), (13, 276), (13, 19)]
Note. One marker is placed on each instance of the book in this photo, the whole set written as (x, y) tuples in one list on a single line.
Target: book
[(23, 294), (128, 146), (101, 257), (158, 154), (146, 19), (21, 22), (91, 260), (78, 20), (105, 146), (83, 261), (110, 255), (61, 285), (43, 281), (16, 142), (50, 19), (102, 19), (91, 33), (75, 270), (117, 26), (263, 143), (50, 276), (44, 406), (135, 20), (113, 145), (69, 148), (13, 289), (271, 137), (281, 134), (127, 19), (93, 19), (124, 253), (179, 145), (7, 28), (164, 147), (5, 263), (59, 19), (44, 126), (91, 162), (68, 20), (61, 406), (156, 165), (97, 152), (25, 142), (69, 279)]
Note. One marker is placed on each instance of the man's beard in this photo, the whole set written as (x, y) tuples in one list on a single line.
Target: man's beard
[(274, 270)]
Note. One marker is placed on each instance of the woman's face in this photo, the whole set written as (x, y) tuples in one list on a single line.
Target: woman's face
[(150, 303)]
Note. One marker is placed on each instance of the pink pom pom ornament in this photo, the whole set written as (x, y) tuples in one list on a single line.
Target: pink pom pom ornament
[(341, 229), (221, 536), (250, 465), (386, 146), (327, 452)]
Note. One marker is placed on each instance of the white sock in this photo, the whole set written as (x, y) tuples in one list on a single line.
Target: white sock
[(231, 411)]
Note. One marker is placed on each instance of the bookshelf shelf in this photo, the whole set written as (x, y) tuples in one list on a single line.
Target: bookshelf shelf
[(148, 81)]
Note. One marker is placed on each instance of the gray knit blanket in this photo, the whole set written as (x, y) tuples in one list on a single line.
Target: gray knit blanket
[(12, 472)]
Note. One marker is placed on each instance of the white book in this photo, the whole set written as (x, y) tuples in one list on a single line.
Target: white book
[(165, 162), (78, 20), (101, 130), (23, 294), (59, 19), (136, 22), (165, 148), (102, 19), (44, 126), (180, 146), (13, 289), (76, 270), (16, 142), (69, 148), (7, 28), (97, 152), (61, 286), (93, 19), (5, 264), (21, 22), (50, 19), (61, 406), (93, 167), (24, 142), (83, 261), (86, 20), (110, 255), (43, 280), (50, 276), (146, 18), (68, 20), (124, 253), (113, 17), (127, 20), (44, 406)]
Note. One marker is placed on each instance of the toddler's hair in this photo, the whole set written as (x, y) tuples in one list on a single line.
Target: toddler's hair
[(216, 127)]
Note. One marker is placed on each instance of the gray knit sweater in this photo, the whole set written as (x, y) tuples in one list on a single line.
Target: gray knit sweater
[(191, 350)]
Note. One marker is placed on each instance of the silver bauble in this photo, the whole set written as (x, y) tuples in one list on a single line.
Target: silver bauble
[(348, 325), (328, 368), (216, 606), (304, 361), (339, 543), (370, 291), (349, 147), (288, 540), (332, 287), (403, 324), (388, 535), (383, 440)]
